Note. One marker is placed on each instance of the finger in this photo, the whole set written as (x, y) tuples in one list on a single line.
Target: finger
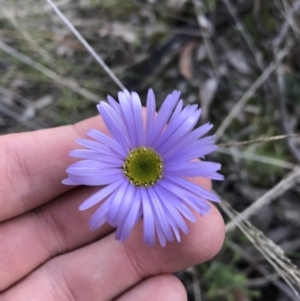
[(29, 240), (33, 164), (98, 267), (162, 287), (49, 230)]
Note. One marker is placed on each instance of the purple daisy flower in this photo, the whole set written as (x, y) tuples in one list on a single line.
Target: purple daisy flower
[(144, 166)]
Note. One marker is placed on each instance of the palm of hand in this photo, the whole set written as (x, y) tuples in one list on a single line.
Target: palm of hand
[(47, 251)]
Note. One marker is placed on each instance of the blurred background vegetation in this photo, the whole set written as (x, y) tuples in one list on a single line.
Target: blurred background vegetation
[(237, 59)]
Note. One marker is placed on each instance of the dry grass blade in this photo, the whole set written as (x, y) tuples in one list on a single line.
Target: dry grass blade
[(196, 283), (259, 140), (12, 114), (206, 30), (289, 22), (243, 32), (249, 93), (20, 29), (71, 84), (272, 252), (257, 158), (34, 10), (86, 45), (285, 289), (286, 184), (288, 14)]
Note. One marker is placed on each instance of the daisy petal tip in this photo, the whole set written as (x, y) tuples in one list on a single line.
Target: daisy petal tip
[(68, 181), (71, 153), (99, 106), (92, 226), (90, 131), (193, 220), (151, 93), (78, 140), (163, 244), (149, 242), (127, 94), (121, 95), (216, 199), (185, 231), (83, 207), (176, 94), (120, 238), (220, 177)]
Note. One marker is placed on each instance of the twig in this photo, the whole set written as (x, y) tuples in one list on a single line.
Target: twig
[(284, 119), (71, 84), (86, 45), (286, 184), (250, 92), (259, 140), (262, 281)]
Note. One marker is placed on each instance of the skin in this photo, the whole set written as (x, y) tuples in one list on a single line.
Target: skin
[(47, 251)]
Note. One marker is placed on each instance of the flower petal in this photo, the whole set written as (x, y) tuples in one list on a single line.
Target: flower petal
[(114, 124), (116, 202), (96, 146), (126, 204), (177, 201), (179, 128), (108, 141), (194, 169), (162, 117), (123, 231), (68, 181), (175, 219), (174, 124), (197, 149), (193, 201), (193, 188), (128, 118), (99, 216), (92, 180), (148, 218), (189, 138), (92, 155), (161, 219), (101, 194), (138, 118), (114, 104), (177, 110), (92, 166), (150, 111)]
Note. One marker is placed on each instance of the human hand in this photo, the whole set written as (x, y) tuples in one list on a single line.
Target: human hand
[(47, 251)]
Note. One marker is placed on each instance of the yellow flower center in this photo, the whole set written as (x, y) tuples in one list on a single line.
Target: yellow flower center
[(143, 167)]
